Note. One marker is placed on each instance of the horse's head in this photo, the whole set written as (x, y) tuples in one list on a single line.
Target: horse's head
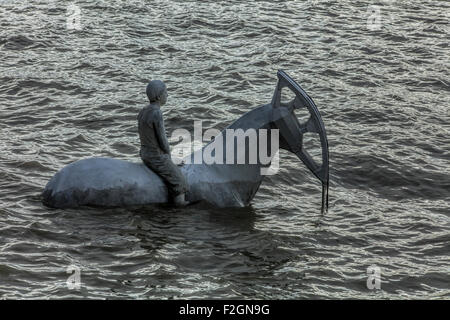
[(288, 102)]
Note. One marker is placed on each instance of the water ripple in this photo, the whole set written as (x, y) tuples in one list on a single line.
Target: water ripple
[(383, 94)]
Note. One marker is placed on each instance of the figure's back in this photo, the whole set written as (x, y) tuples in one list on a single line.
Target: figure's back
[(146, 126)]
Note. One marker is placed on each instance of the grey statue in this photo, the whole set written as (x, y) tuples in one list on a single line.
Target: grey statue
[(112, 182), (155, 149)]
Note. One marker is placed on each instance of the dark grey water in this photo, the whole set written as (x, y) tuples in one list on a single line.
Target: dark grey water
[(383, 92)]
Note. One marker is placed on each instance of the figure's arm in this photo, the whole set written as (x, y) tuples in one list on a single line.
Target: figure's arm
[(160, 131)]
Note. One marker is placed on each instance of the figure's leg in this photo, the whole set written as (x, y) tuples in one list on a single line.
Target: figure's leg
[(171, 175)]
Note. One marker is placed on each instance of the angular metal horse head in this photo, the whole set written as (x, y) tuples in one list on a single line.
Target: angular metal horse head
[(292, 132)]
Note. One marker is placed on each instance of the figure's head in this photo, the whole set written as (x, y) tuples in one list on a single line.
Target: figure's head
[(157, 92)]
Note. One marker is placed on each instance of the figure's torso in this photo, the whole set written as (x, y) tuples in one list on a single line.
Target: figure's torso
[(146, 127)]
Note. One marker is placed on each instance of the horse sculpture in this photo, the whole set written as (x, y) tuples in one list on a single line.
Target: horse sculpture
[(116, 183)]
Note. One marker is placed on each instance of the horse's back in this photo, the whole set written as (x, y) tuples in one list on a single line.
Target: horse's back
[(104, 182)]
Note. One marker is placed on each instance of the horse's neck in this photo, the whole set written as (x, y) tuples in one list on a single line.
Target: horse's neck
[(258, 118), (241, 181)]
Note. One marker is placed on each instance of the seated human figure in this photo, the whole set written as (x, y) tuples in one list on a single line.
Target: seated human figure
[(155, 149)]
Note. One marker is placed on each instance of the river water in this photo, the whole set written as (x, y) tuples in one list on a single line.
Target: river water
[(377, 70)]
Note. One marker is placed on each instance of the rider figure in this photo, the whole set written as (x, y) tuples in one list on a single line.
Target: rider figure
[(155, 149)]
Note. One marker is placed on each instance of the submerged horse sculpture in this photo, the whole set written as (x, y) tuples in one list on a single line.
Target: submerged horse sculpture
[(112, 182)]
